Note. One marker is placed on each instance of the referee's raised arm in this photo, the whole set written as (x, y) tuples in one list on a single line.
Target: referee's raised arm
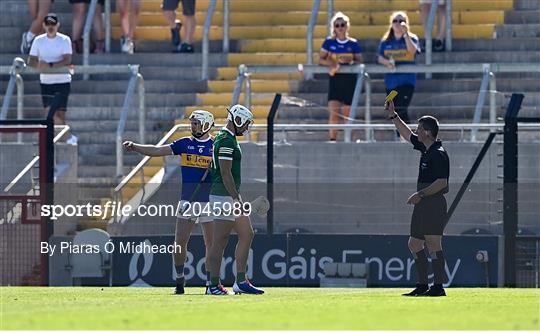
[(402, 128)]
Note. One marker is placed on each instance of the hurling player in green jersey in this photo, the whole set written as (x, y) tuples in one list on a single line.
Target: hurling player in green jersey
[(229, 211)]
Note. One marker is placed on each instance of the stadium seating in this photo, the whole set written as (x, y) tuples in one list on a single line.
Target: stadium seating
[(274, 33)]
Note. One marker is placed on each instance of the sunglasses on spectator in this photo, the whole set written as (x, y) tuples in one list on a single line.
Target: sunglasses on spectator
[(340, 25), (398, 21)]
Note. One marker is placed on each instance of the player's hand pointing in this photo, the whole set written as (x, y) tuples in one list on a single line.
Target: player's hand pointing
[(128, 145)]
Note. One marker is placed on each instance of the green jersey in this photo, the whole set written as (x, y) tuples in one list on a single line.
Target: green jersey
[(225, 148)]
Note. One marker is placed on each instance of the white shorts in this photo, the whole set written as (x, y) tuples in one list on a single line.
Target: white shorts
[(222, 207), (195, 211)]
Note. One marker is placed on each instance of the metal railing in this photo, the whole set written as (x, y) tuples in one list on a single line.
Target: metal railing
[(32, 163), (136, 81), (311, 25), (88, 28), (15, 79), (206, 34), (364, 71), (226, 24), (449, 36), (108, 28), (329, 14), (428, 31)]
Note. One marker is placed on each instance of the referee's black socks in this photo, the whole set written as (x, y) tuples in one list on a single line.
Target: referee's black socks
[(438, 263), (421, 263)]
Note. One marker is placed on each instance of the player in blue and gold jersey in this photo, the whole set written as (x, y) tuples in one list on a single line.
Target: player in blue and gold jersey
[(195, 157)]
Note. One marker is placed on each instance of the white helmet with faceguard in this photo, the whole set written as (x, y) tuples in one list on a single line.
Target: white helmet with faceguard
[(206, 120), (240, 116)]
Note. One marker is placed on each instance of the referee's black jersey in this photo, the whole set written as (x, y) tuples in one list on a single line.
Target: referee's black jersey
[(434, 164)]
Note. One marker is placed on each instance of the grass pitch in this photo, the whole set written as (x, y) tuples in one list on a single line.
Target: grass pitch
[(280, 308)]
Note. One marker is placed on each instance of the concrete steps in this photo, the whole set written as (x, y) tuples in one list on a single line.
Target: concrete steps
[(103, 171), (526, 4), (155, 18), (92, 114), (11, 44), (299, 45), (254, 6), (89, 161), (101, 137), (456, 114), (144, 60), (91, 126), (531, 16), (518, 30), (447, 99), (463, 31), (281, 58), (120, 87), (170, 100), (443, 85)]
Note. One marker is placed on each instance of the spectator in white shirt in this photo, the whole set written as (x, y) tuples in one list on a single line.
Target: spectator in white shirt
[(53, 50)]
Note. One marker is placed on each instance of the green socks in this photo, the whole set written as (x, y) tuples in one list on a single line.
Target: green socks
[(214, 281), (240, 277)]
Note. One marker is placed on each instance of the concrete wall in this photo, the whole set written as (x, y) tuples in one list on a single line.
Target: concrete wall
[(359, 187), (362, 188)]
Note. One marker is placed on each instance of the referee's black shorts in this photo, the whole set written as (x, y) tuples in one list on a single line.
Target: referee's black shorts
[(341, 88), (56, 90), (429, 217)]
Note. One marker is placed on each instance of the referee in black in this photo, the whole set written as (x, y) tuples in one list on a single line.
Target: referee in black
[(429, 214)]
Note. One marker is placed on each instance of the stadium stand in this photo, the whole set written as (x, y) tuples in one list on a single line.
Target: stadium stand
[(271, 32)]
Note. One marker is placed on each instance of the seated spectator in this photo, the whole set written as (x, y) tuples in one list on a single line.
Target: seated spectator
[(398, 47), (80, 7), (169, 12), (38, 9), (425, 6), (340, 50), (129, 15)]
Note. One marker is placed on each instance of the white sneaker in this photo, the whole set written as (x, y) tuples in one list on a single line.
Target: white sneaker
[(73, 140), (128, 46)]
